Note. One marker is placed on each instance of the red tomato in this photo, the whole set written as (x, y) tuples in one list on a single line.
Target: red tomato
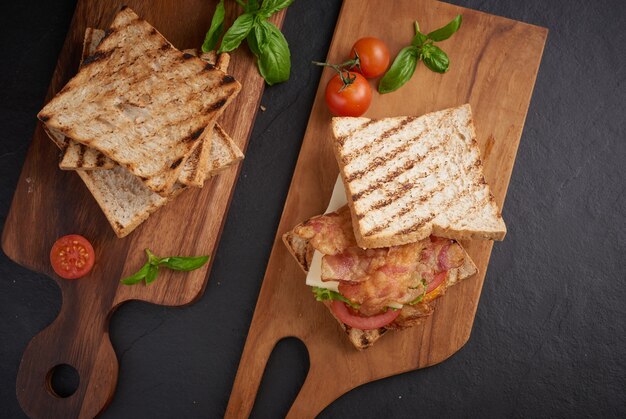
[(72, 256), (439, 278), (351, 100), (352, 319), (373, 55)]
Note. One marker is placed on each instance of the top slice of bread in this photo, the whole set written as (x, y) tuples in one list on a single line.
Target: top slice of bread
[(409, 177), (141, 102), (216, 151)]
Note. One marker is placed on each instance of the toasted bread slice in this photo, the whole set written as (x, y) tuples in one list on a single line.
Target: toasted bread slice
[(141, 102), (206, 160), (409, 177), (124, 199), (218, 153), (410, 316)]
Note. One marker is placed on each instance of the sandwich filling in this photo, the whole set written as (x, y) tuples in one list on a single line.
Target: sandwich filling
[(370, 281)]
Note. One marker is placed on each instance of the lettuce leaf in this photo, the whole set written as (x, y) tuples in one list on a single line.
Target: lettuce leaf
[(323, 294)]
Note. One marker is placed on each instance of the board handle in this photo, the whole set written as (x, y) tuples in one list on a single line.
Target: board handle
[(78, 337), (256, 352)]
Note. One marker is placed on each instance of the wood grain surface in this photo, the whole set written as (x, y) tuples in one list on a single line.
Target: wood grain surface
[(49, 203), (494, 63)]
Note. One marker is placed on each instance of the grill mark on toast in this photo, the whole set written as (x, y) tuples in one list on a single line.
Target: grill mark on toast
[(107, 32), (386, 134), (417, 225), (394, 174), (381, 161), (99, 55), (100, 160), (342, 139), (176, 163), (227, 80), (405, 210), (217, 105), (187, 56), (194, 135), (165, 46), (81, 155), (209, 67)]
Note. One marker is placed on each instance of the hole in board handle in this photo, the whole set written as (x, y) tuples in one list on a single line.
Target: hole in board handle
[(62, 380)]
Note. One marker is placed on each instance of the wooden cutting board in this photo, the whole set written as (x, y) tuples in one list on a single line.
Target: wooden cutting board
[(50, 203), (494, 63)]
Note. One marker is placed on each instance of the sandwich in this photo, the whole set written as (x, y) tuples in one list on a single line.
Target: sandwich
[(125, 198), (409, 189)]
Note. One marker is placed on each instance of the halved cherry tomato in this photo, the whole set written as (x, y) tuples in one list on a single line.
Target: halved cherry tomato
[(373, 56), (350, 100), (72, 256), (353, 319)]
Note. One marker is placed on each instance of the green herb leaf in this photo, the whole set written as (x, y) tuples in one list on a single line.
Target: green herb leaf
[(261, 34), (152, 258), (253, 44), (447, 31), (237, 33), (216, 29), (152, 274), (138, 276), (252, 6), (274, 60), (419, 38), (323, 294), (270, 7), (401, 70), (178, 263), (435, 59)]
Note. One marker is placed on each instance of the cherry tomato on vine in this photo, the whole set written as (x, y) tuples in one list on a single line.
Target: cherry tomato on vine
[(72, 256), (348, 94), (373, 56)]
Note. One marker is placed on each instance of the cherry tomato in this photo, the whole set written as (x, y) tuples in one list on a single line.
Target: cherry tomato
[(72, 256), (373, 55), (352, 319), (353, 99)]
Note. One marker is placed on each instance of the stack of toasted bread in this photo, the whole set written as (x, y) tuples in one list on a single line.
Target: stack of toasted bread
[(138, 121), (414, 187)]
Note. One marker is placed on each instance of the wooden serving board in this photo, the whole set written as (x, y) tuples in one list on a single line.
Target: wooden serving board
[(50, 203), (494, 63)]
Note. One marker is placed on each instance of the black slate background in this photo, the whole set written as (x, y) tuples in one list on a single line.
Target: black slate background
[(550, 332)]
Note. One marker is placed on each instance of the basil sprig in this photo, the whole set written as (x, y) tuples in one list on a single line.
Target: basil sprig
[(265, 40), (422, 48), (148, 272)]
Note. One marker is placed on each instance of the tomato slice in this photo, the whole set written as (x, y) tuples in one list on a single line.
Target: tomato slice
[(439, 278), (72, 256), (352, 319)]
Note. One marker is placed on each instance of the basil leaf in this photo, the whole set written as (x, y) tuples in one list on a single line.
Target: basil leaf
[(401, 70), (275, 59), (447, 31), (435, 59), (252, 6), (272, 6), (152, 258), (237, 33), (178, 263), (419, 38), (323, 294), (261, 36), (253, 44), (138, 276), (216, 29), (153, 271)]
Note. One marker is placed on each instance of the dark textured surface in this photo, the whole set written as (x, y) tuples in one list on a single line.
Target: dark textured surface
[(550, 332)]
